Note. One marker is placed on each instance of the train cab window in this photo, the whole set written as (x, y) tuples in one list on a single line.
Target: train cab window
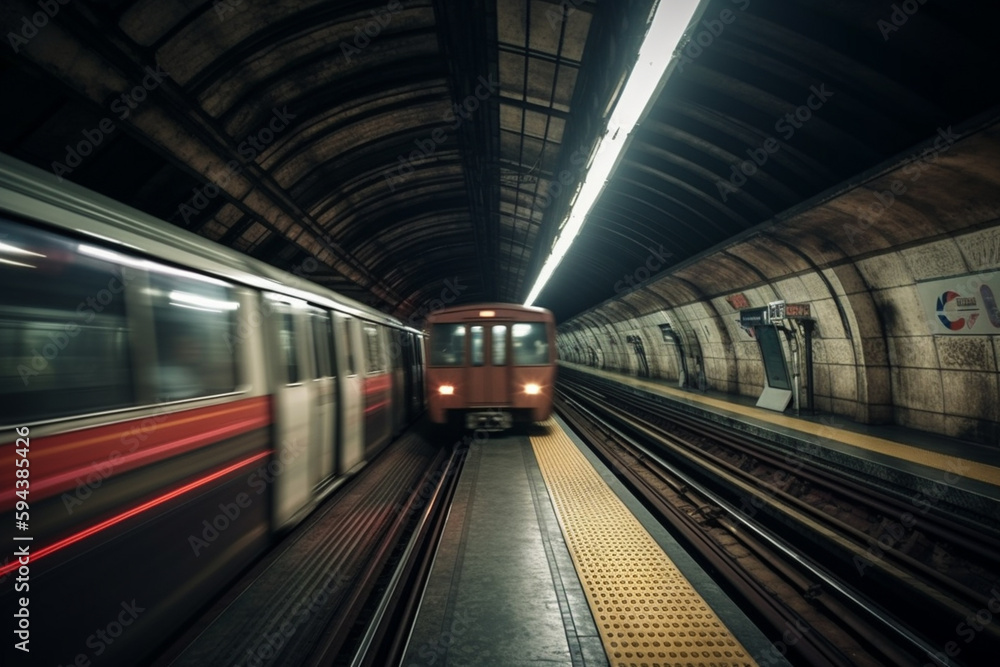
[(374, 348), (289, 348), (476, 345), (530, 344), (64, 335), (194, 320), (499, 345), (447, 343)]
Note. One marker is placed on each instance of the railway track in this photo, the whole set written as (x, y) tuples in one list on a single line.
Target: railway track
[(850, 574), (343, 588)]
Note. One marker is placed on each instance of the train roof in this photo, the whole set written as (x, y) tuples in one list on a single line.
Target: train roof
[(40, 196), (473, 310)]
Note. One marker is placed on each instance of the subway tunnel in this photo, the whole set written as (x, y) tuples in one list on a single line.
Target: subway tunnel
[(805, 212)]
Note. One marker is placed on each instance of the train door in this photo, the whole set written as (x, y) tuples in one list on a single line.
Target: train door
[(377, 389), (324, 414), (293, 404), (348, 335), (395, 339), (487, 370)]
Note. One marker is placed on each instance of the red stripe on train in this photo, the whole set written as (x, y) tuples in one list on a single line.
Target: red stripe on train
[(64, 461), (376, 406), (377, 383), (138, 509)]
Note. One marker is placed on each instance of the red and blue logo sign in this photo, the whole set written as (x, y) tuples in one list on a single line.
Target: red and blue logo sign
[(943, 300)]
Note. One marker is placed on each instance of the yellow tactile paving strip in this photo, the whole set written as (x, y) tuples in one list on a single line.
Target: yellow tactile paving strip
[(973, 470), (646, 611)]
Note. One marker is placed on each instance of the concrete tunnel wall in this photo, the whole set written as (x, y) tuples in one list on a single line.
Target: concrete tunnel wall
[(857, 261)]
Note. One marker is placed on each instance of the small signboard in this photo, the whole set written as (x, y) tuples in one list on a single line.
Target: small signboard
[(738, 301), (962, 305), (798, 311), (668, 333), (753, 317), (776, 310)]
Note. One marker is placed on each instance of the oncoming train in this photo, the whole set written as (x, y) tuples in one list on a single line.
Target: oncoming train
[(167, 406), (490, 365)]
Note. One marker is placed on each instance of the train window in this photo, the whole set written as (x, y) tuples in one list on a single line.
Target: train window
[(531, 345), (499, 344), (289, 348), (447, 343), (350, 367), (64, 336), (322, 340), (476, 345), (374, 348), (195, 327)]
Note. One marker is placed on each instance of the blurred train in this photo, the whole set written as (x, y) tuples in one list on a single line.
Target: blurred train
[(490, 365), (167, 406)]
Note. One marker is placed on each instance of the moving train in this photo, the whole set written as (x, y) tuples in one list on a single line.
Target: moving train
[(167, 406), (490, 365)]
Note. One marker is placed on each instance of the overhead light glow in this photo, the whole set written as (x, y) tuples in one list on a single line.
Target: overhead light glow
[(532, 389), (446, 390), (644, 83), (14, 250), (487, 313)]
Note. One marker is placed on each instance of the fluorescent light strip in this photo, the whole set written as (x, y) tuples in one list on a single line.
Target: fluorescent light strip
[(644, 82)]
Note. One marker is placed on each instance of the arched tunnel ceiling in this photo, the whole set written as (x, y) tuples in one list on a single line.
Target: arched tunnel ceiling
[(397, 151)]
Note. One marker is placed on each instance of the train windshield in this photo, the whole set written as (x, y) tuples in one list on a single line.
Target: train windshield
[(530, 343), (447, 345)]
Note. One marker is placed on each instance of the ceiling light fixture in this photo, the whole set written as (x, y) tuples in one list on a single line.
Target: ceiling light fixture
[(645, 81)]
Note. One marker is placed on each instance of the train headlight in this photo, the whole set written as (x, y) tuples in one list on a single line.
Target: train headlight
[(532, 389), (446, 390)]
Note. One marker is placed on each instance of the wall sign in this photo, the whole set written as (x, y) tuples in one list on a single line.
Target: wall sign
[(963, 305)]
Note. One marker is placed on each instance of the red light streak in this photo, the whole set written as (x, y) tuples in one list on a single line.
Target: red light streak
[(139, 509)]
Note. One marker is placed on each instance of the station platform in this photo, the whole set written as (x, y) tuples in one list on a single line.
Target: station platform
[(547, 560), (948, 473)]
